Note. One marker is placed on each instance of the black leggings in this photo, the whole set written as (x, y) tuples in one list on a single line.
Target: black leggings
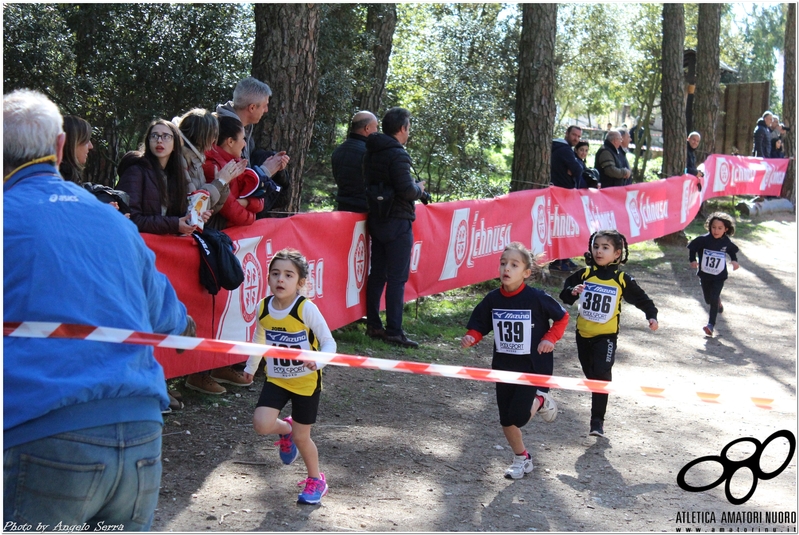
[(597, 356), (712, 292)]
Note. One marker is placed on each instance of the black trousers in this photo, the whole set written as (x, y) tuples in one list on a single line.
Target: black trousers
[(711, 289), (597, 356)]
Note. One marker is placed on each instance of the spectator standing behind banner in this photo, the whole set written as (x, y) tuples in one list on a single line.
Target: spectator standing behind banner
[(690, 156), (623, 150), (156, 182), (762, 137), (347, 163), (774, 127), (76, 148), (240, 208), (565, 169), (386, 164), (608, 161), (81, 419), (590, 176), (776, 148), (250, 103), (199, 131)]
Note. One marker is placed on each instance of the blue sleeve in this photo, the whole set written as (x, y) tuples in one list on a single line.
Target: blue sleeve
[(166, 313), (480, 320), (552, 308)]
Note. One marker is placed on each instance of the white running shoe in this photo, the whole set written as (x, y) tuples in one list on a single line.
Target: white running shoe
[(549, 409), (521, 465)]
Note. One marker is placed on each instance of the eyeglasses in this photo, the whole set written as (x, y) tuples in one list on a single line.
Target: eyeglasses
[(158, 137)]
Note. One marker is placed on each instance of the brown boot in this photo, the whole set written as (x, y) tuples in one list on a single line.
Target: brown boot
[(230, 376), (202, 382)]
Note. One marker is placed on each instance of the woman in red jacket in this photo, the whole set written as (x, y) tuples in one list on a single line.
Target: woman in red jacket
[(239, 208)]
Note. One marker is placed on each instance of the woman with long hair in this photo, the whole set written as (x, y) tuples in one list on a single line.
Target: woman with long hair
[(199, 130), (155, 180), (76, 148)]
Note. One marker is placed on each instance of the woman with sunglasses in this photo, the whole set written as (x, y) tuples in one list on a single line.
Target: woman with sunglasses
[(155, 180)]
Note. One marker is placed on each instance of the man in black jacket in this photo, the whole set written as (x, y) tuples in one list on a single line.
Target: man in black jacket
[(762, 137), (565, 169), (386, 162), (347, 163), (690, 156)]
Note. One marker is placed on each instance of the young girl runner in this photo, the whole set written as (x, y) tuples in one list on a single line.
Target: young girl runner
[(523, 342), (287, 319), (712, 265), (599, 288)]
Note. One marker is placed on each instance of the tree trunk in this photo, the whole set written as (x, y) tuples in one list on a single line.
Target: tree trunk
[(789, 103), (535, 98), (381, 20), (672, 98), (284, 57), (708, 74)]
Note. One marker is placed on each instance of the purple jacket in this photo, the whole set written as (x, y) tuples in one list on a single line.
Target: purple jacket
[(139, 180)]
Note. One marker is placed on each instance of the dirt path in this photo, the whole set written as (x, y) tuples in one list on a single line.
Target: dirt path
[(415, 453)]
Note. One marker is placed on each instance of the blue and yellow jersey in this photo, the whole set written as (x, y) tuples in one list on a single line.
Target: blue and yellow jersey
[(599, 305)]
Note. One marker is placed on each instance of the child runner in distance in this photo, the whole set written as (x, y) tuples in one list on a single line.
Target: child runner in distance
[(600, 288), (287, 319), (712, 248), (523, 342)]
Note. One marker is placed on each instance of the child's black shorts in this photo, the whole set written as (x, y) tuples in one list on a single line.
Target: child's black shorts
[(303, 408)]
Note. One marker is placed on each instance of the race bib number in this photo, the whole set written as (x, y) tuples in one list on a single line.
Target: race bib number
[(713, 262), (512, 331), (598, 302), (287, 368)]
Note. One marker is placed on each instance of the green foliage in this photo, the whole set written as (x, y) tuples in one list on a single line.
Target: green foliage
[(749, 45), (343, 60), (592, 58), (453, 67), (120, 65)]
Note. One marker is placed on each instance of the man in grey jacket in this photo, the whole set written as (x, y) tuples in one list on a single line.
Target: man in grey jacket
[(610, 162), (250, 103)]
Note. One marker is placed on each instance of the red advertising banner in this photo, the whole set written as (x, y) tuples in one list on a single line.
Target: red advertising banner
[(455, 244), (737, 175)]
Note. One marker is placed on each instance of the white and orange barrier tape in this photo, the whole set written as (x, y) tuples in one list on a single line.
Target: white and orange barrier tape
[(32, 329)]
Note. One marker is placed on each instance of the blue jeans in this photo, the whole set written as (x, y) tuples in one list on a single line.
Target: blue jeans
[(392, 241), (100, 476)]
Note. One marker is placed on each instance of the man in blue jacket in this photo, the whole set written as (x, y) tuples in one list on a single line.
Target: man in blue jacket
[(762, 137), (387, 164), (81, 419), (566, 171)]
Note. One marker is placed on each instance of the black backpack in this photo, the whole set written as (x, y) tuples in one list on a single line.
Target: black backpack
[(219, 267)]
